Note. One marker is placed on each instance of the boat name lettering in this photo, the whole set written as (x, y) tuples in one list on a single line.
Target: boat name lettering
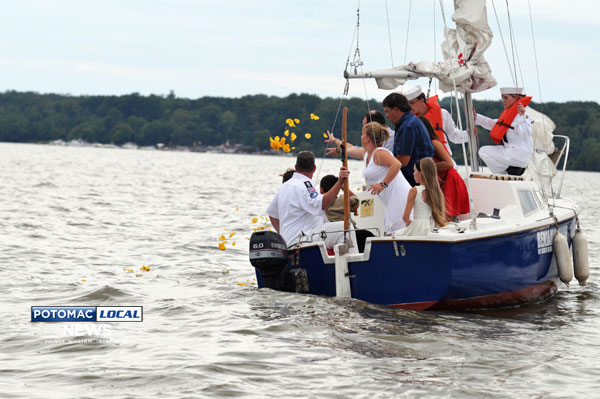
[(545, 237)]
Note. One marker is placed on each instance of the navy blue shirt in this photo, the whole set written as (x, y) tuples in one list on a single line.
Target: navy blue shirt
[(412, 139)]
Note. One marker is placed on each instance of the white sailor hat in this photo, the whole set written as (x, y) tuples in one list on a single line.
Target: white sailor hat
[(511, 90), (411, 92)]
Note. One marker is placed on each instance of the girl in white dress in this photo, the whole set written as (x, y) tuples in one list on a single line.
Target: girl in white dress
[(382, 175), (426, 201)]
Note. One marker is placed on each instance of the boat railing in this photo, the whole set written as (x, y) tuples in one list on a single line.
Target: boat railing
[(557, 156)]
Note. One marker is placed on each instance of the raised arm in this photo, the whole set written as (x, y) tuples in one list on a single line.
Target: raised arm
[(352, 150), (330, 196), (454, 134)]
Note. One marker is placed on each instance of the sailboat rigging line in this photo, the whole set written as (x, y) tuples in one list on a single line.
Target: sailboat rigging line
[(537, 71), (503, 44), (327, 146), (512, 43), (347, 84), (407, 30), (516, 48), (434, 33), (387, 16), (473, 224)]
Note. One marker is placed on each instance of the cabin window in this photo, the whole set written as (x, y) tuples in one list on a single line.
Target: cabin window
[(528, 204)]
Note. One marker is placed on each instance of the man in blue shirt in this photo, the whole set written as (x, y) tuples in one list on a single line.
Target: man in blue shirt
[(411, 141)]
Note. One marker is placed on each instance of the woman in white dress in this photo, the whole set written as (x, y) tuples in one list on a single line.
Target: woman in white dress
[(381, 172), (425, 201)]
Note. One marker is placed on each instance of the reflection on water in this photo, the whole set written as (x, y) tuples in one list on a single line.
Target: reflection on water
[(78, 224)]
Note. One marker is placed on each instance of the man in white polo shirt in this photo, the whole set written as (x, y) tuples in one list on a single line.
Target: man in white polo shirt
[(297, 210)]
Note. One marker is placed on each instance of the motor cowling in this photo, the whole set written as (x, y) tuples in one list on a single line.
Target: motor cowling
[(269, 255)]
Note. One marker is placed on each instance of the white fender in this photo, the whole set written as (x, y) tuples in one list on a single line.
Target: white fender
[(580, 257), (342, 282), (563, 258)]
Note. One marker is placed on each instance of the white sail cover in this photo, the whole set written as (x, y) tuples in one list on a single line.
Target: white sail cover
[(462, 49), (541, 168)]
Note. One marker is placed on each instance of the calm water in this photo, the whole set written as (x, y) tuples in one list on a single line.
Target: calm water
[(77, 225)]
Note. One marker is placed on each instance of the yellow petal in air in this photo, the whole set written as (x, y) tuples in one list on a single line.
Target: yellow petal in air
[(293, 137), (222, 246), (326, 136), (307, 135), (231, 235), (254, 220), (233, 244), (222, 238), (287, 132), (297, 120)]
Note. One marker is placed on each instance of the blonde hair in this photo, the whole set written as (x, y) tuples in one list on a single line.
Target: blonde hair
[(435, 197), (376, 132)]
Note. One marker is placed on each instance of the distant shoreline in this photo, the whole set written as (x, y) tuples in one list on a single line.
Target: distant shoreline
[(218, 149)]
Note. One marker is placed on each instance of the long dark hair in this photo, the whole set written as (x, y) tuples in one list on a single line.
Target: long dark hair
[(435, 197)]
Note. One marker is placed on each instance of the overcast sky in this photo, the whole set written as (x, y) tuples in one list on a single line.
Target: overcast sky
[(234, 48)]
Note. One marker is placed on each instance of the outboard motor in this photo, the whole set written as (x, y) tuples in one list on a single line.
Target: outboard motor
[(269, 255)]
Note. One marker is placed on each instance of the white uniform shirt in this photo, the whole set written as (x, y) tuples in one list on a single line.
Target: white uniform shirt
[(453, 134), (518, 140), (298, 206)]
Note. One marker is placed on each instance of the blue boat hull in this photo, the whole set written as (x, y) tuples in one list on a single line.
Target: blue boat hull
[(495, 271)]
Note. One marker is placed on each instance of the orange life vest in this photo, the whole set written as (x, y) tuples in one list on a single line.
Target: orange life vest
[(434, 115), (505, 120)]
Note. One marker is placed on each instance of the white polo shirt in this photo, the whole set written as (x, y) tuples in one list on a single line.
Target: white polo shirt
[(299, 207)]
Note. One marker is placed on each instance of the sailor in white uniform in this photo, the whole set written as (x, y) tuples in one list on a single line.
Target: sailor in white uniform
[(517, 147), (416, 99), (298, 209)]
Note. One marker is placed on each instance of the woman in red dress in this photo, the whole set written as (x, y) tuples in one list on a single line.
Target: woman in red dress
[(453, 186)]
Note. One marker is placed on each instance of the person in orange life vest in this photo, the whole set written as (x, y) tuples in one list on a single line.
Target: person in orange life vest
[(440, 119), (514, 134)]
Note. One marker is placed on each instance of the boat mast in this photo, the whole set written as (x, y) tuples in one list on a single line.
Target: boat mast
[(473, 139), (346, 184)]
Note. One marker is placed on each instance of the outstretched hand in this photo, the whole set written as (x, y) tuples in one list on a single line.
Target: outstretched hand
[(520, 109), (333, 151), (331, 138)]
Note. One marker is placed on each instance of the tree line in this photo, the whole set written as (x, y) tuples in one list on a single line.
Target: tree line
[(247, 122)]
